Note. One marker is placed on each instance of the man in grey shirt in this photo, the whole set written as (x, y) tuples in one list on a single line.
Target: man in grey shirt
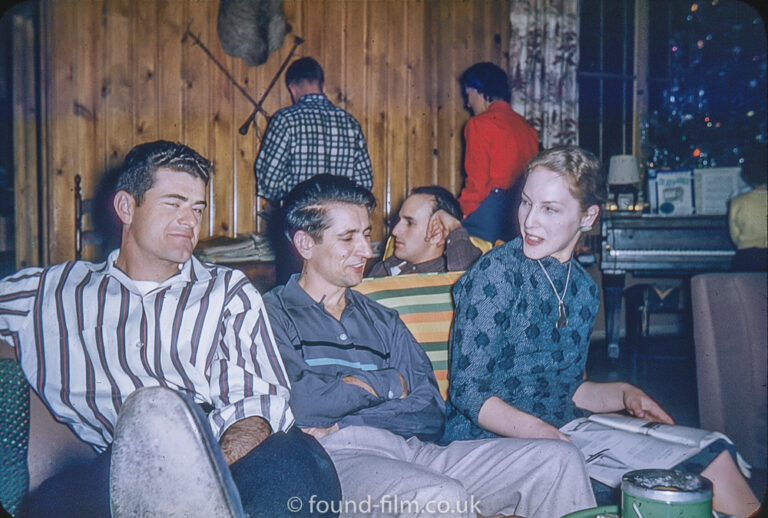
[(362, 385)]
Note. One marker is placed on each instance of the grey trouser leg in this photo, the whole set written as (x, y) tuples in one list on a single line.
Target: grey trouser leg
[(408, 478)]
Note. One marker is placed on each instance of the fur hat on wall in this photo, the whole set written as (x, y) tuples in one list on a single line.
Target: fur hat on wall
[(251, 29)]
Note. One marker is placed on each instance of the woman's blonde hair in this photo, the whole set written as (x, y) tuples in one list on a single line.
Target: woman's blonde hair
[(580, 167)]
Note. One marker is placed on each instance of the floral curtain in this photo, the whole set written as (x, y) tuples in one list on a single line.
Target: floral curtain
[(544, 57)]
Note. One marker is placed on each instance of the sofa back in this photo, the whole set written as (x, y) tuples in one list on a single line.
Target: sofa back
[(425, 304)]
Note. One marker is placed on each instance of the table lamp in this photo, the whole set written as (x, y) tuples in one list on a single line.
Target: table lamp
[(623, 179)]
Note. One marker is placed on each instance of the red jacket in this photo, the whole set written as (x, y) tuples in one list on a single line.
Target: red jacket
[(499, 145)]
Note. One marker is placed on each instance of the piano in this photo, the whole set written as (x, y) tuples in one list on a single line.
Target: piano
[(652, 245)]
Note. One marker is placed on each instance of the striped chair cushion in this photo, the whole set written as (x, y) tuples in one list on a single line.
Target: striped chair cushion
[(425, 305)]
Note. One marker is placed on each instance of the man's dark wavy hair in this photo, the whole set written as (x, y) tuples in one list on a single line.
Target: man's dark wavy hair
[(443, 199), (137, 174), (305, 207), (488, 79)]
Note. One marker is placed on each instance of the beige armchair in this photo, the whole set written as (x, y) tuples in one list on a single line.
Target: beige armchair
[(730, 326)]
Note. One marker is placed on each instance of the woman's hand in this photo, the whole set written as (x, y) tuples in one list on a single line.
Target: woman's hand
[(503, 419), (640, 404), (616, 396)]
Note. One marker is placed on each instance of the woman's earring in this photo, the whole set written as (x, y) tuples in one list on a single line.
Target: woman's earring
[(585, 228)]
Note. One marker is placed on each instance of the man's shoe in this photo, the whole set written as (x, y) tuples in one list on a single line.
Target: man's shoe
[(165, 461)]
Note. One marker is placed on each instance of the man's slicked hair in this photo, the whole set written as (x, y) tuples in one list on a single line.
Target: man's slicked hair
[(304, 69), (305, 207), (443, 199), (137, 174), (488, 79)]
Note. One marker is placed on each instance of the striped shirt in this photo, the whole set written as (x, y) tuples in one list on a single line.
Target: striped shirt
[(311, 137), (86, 338)]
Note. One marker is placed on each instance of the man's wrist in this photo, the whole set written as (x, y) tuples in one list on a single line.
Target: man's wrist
[(243, 436)]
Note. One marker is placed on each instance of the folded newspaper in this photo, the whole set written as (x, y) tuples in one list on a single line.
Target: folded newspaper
[(244, 248), (613, 444)]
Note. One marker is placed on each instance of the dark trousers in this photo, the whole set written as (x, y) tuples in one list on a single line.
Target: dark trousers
[(287, 465), (496, 216)]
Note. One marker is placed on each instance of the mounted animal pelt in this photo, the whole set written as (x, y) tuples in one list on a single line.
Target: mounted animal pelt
[(251, 29)]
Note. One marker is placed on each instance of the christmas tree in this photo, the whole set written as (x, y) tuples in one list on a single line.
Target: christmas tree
[(712, 109)]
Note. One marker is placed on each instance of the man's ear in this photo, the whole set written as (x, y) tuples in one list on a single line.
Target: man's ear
[(124, 204), (437, 239), (589, 217), (304, 244), (294, 93)]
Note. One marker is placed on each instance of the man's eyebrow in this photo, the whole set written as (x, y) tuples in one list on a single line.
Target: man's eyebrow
[(184, 198), (351, 231)]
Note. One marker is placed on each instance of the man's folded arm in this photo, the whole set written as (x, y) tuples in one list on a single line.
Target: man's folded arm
[(318, 399), (422, 411)]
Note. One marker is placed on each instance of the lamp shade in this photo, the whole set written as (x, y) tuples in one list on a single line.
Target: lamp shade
[(623, 170)]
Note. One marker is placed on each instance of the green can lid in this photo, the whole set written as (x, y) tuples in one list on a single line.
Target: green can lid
[(666, 485)]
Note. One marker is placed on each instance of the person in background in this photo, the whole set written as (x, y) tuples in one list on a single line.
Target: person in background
[(499, 143), (428, 236), (522, 325), (166, 366), (747, 215), (310, 137)]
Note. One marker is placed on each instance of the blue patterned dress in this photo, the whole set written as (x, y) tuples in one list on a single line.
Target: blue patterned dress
[(505, 343)]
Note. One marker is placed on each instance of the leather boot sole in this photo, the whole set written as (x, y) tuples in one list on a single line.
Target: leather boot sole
[(165, 462)]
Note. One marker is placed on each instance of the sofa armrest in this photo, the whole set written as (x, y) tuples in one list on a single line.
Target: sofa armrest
[(52, 445), (730, 335)]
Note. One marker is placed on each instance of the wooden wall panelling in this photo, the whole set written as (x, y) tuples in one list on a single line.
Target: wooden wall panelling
[(446, 58), (312, 17), (63, 138), (222, 134), (244, 187), (25, 145), (333, 52), (419, 157), (144, 67), (171, 24), (89, 129), (197, 70), (117, 86), (392, 64), (377, 108), (396, 73)]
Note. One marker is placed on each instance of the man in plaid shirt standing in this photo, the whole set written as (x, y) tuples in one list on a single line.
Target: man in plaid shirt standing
[(311, 137)]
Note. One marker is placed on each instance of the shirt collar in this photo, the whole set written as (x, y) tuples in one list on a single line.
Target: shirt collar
[(498, 107), (314, 99), (295, 296), (191, 271)]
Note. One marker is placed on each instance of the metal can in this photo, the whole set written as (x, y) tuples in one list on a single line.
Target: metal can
[(665, 493)]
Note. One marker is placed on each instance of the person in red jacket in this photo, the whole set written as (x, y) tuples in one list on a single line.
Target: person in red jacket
[(499, 144)]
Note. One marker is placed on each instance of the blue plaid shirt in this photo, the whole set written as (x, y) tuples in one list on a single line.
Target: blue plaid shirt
[(311, 137)]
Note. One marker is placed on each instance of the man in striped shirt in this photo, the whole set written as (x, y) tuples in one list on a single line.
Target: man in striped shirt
[(89, 335)]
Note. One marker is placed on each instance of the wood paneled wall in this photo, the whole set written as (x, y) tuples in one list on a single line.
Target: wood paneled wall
[(115, 73)]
